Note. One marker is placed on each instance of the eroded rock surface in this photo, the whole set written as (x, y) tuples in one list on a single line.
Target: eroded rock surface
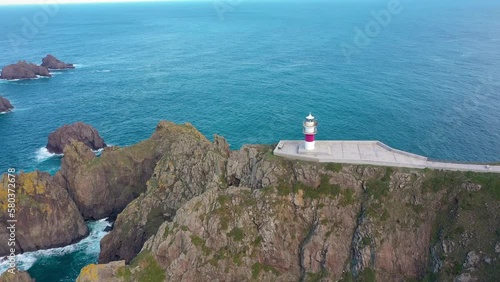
[(46, 216)]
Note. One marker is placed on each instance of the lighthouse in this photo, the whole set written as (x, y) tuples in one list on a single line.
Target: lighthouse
[(310, 129)]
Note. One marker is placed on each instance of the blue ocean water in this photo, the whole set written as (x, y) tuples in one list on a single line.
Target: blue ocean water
[(425, 80)]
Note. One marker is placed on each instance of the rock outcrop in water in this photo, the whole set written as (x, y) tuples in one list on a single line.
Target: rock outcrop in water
[(46, 216), (78, 132), (17, 276), (5, 105), (24, 70), (213, 214), (52, 63)]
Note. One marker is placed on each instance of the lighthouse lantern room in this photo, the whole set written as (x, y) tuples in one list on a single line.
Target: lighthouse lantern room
[(310, 129)]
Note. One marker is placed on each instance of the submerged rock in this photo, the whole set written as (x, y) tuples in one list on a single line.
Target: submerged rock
[(78, 132), (53, 63), (24, 70), (46, 216), (5, 105)]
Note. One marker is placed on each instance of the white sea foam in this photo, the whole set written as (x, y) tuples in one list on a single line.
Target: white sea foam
[(89, 245), (43, 154), (103, 71)]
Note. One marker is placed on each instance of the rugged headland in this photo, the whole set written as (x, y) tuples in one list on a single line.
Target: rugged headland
[(190, 209)]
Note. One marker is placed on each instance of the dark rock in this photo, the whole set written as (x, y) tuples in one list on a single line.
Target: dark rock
[(79, 132), (5, 105), (46, 216), (24, 70), (53, 63)]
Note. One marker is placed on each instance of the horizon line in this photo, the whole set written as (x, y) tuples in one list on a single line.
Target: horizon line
[(66, 2)]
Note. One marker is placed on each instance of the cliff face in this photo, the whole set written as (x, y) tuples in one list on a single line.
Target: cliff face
[(190, 165), (46, 216), (103, 186), (212, 214)]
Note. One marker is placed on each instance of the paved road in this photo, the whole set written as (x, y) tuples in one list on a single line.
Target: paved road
[(368, 152)]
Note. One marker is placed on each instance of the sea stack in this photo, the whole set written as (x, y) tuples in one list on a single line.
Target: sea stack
[(53, 63), (79, 132), (5, 105), (24, 70)]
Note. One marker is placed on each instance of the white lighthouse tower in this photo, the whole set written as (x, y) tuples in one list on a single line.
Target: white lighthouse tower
[(310, 129)]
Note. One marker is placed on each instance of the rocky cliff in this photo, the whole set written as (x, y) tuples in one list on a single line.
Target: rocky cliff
[(208, 213), (46, 216), (5, 105)]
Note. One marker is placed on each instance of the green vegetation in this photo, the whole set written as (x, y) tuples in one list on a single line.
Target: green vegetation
[(149, 270), (223, 200), (200, 243), (124, 273), (347, 277), (377, 188), (237, 234), (366, 241), (367, 275), (316, 276), (324, 189), (347, 197), (335, 167), (439, 180), (166, 232), (257, 241), (258, 267)]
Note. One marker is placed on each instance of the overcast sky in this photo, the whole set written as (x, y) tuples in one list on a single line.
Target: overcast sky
[(12, 2)]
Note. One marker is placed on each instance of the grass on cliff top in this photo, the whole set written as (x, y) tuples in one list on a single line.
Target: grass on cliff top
[(467, 219), (378, 188), (148, 269)]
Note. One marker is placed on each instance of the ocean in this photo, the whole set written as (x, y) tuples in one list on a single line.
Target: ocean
[(421, 76)]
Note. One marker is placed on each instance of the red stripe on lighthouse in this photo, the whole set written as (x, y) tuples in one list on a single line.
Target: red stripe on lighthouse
[(309, 137)]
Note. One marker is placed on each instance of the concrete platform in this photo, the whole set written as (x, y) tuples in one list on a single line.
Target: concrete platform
[(368, 152)]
